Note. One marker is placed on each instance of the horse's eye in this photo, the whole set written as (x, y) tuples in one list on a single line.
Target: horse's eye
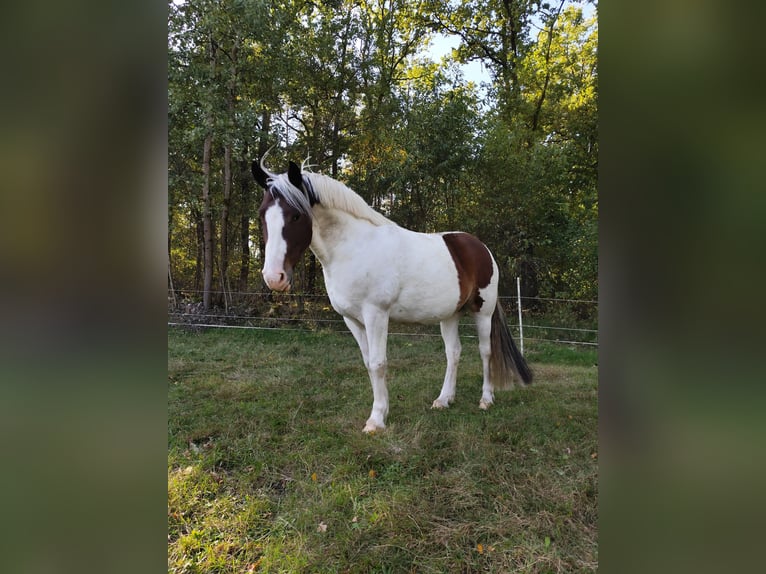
[(296, 217)]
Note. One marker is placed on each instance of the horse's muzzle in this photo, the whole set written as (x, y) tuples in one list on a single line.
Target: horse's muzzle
[(278, 281)]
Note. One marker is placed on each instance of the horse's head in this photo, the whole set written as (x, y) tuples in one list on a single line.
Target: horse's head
[(286, 218)]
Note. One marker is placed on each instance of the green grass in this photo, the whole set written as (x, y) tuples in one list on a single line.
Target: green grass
[(268, 470)]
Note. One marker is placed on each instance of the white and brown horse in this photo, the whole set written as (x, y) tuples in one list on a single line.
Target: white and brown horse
[(376, 271)]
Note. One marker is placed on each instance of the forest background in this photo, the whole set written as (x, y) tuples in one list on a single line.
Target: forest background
[(353, 88)]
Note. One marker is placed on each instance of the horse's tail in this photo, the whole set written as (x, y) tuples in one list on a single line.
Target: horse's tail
[(505, 358)]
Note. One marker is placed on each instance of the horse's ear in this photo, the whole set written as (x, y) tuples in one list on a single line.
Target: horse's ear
[(294, 175), (261, 177)]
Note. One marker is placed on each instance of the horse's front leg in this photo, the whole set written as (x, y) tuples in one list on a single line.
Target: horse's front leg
[(360, 335), (376, 326)]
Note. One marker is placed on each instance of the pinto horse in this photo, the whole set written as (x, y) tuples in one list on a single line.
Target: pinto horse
[(376, 271)]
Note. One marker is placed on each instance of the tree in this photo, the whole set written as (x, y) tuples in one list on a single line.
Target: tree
[(213, 55), (540, 148), (349, 85)]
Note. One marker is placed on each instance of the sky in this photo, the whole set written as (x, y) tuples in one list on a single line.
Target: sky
[(442, 45)]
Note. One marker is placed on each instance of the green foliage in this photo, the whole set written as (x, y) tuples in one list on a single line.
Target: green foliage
[(349, 85), (268, 470)]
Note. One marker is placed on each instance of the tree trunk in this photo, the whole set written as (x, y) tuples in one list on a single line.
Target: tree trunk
[(200, 242), (227, 176), (244, 232), (207, 225), (225, 214), (207, 217), (263, 146), (170, 251), (172, 287), (546, 82)]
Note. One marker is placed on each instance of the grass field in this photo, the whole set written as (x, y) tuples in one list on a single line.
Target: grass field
[(268, 470)]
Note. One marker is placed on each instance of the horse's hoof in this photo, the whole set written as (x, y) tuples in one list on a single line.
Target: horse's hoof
[(372, 428), (438, 404), (484, 405)]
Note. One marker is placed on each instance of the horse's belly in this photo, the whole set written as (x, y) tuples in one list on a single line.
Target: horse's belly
[(424, 307), (422, 316)]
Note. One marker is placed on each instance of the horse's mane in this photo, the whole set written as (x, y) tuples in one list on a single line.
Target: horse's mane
[(333, 194), (329, 193)]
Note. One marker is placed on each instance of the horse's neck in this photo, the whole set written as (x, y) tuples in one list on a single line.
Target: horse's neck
[(332, 230)]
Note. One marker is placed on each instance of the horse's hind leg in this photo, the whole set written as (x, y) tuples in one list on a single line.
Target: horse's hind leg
[(484, 330), (449, 329)]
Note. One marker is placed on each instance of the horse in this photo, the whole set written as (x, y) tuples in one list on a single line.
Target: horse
[(376, 271)]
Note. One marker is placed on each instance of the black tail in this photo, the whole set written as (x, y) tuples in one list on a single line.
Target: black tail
[(505, 358)]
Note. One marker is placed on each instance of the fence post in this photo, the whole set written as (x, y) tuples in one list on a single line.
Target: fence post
[(521, 328)]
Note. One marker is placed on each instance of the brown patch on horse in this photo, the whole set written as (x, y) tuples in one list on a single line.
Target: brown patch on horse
[(297, 233), (474, 268), (297, 229)]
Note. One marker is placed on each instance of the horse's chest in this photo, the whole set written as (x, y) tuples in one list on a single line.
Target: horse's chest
[(345, 301), (349, 292)]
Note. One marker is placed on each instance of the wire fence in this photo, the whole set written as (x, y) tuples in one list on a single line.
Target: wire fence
[(545, 319), (265, 294)]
